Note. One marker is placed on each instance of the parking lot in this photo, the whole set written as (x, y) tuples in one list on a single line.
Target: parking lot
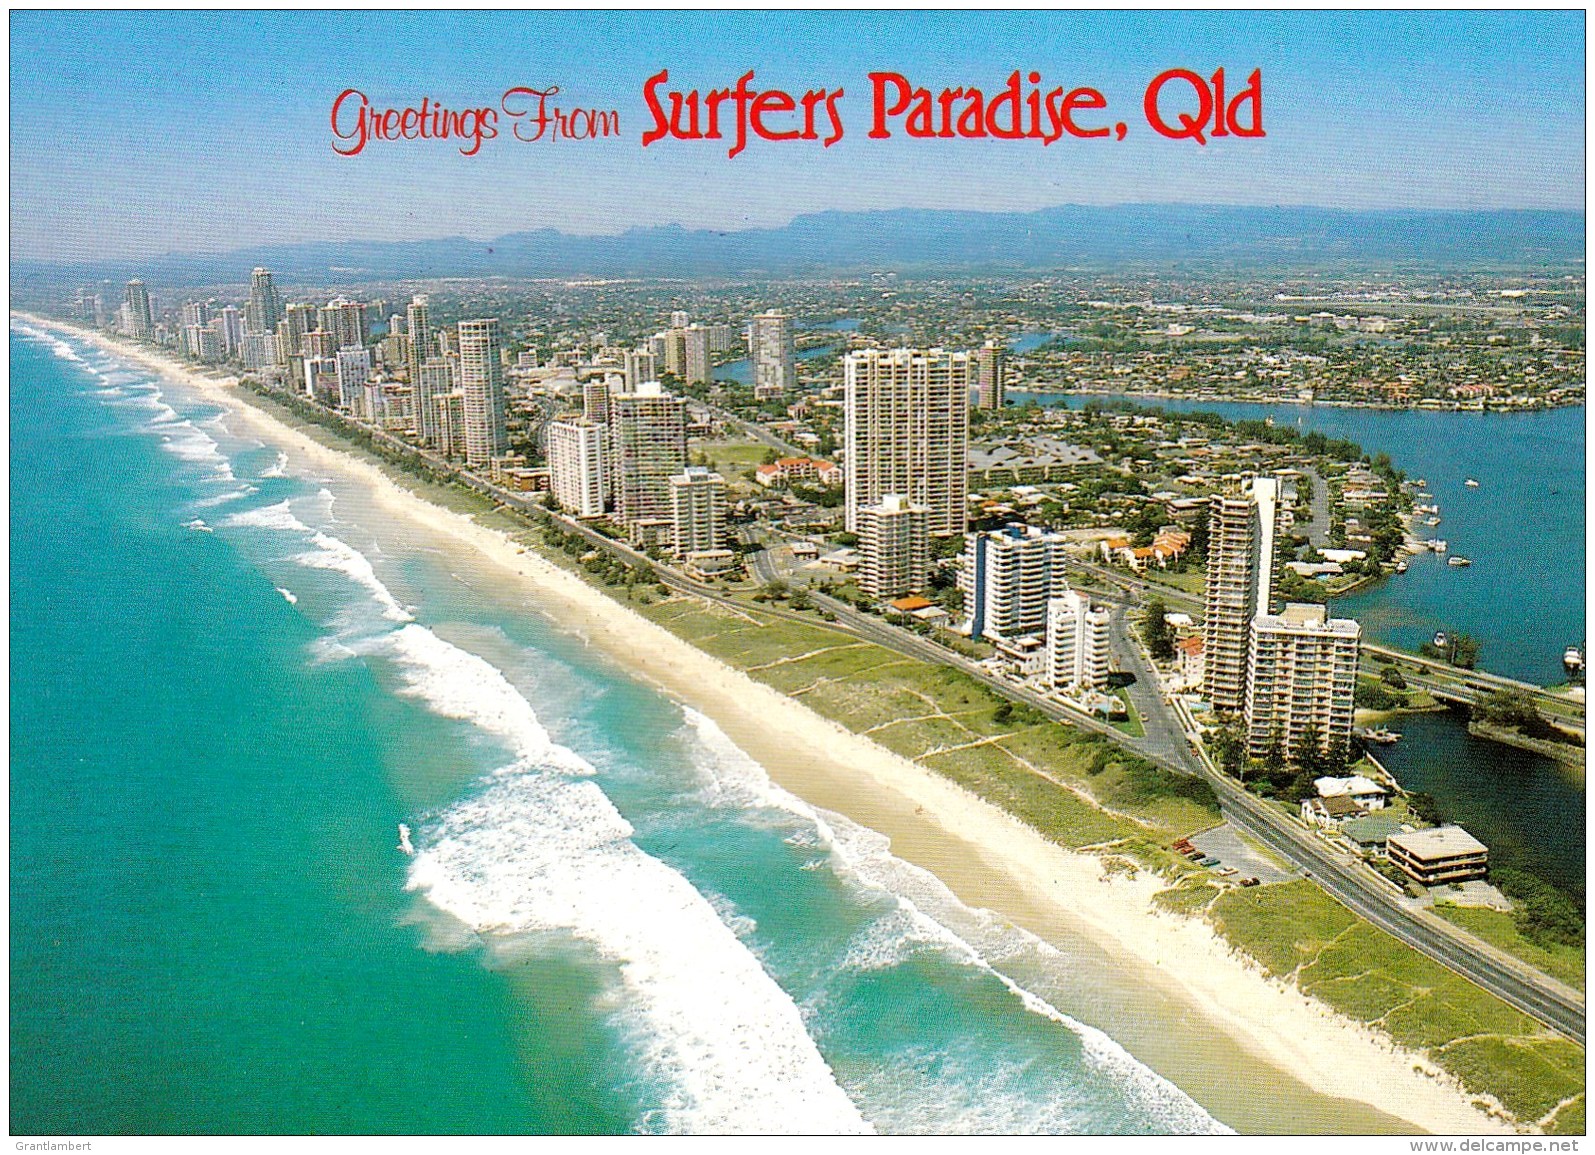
[(1225, 844)]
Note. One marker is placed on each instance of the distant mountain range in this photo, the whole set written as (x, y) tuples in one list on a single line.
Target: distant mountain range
[(923, 241)]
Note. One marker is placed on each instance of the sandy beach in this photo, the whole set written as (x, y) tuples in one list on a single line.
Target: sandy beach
[(1257, 1054)]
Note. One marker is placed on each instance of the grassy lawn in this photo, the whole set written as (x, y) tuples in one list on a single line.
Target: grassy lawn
[(1302, 935), (1131, 724), (1193, 582), (730, 458), (1499, 929)]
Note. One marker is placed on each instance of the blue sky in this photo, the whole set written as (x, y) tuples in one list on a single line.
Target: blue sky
[(134, 134)]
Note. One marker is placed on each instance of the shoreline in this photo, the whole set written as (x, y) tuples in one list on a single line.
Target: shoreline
[(1315, 404), (1177, 989)]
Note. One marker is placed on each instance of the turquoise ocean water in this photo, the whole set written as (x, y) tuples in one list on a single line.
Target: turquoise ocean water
[(232, 681)]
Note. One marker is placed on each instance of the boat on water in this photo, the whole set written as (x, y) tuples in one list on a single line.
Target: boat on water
[(404, 839), (1573, 659), (1457, 561), (1379, 737), (1471, 484), (1431, 521), (1437, 545), (1401, 566)]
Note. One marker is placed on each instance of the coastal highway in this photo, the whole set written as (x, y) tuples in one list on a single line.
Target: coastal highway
[(1545, 999)]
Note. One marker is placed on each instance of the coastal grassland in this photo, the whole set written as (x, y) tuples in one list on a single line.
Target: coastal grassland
[(1073, 788), (1303, 936), (1499, 928)]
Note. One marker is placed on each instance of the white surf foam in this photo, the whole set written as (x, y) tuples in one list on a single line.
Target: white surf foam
[(540, 849), (287, 595), (863, 857), (278, 516), (333, 553), (279, 469)]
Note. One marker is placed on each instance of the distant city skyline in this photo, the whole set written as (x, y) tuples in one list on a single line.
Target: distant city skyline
[(138, 134)]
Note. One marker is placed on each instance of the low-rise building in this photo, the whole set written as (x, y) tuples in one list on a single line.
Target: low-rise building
[(1365, 792), (1443, 854)]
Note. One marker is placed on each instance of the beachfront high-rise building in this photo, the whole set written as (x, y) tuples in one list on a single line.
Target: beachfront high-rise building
[(648, 434), (232, 331), (1078, 650), (482, 382), (1242, 535), (774, 355), (697, 510), (1302, 681), (298, 319), (345, 320), (894, 546), (991, 373), (680, 319), (140, 317), (434, 378), (1007, 577), (697, 367), (259, 351), (418, 329), (907, 432), (449, 421), (264, 309), (354, 370), (576, 467)]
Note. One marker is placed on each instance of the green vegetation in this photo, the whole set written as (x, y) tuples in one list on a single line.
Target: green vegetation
[(1544, 915), (1560, 960), (1076, 789), (1155, 630), (1516, 710), (1302, 935)]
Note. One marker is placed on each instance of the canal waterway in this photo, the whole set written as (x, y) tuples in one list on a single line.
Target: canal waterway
[(1523, 597)]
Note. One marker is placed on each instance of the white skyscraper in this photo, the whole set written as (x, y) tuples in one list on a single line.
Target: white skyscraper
[(648, 434), (894, 544), (264, 309), (697, 367), (640, 365), (418, 328), (773, 353), (1078, 650), (1008, 576), (697, 510), (577, 471), (482, 382), (907, 432), (354, 370), (140, 318), (1242, 533), (1303, 680)]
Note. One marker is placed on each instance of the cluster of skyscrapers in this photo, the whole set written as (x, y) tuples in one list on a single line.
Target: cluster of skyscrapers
[(441, 385), (1289, 675)]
